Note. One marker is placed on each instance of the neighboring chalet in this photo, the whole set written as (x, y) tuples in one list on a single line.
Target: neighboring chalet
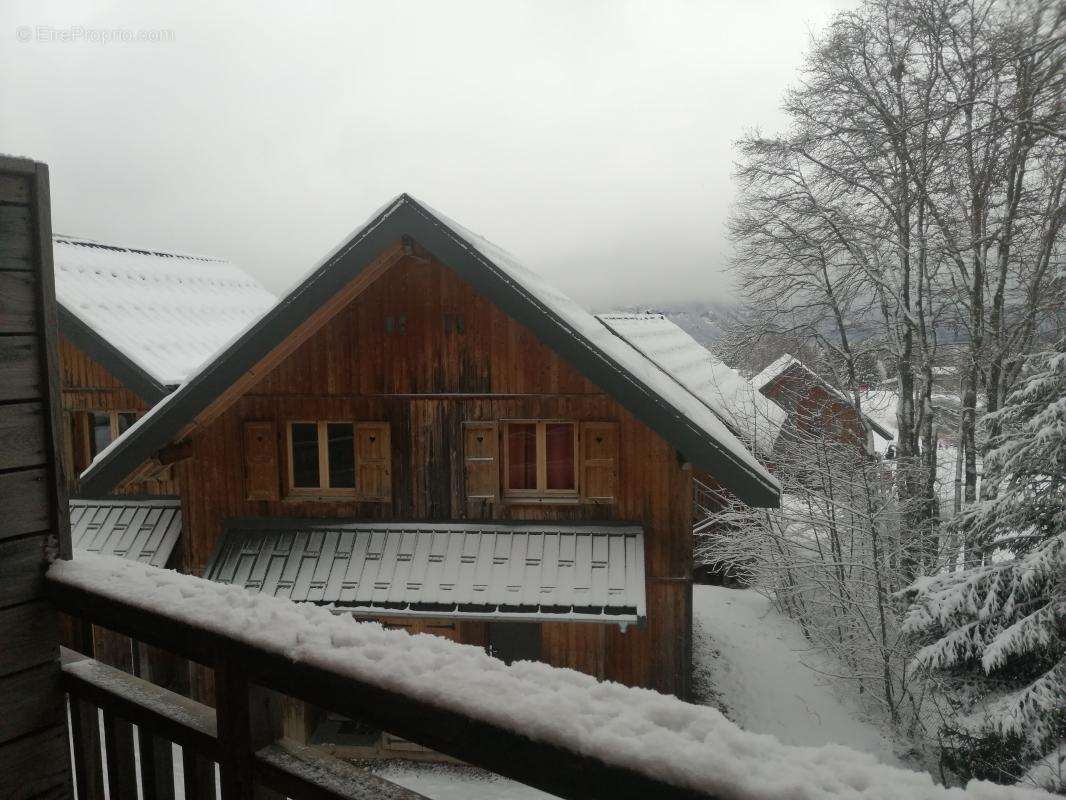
[(426, 433), (134, 324), (815, 407)]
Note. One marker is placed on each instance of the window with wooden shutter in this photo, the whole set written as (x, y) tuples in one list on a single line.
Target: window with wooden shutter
[(260, 460), (373, 457), (599, 462), (481, 460)]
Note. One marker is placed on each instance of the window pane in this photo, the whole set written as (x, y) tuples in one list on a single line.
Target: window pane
[(341, 455), (305, 455), (559, 442), (99, 432), (522, 455), (125, 420)]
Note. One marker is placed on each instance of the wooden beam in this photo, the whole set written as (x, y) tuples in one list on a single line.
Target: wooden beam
[(308, 328), (173, 453)]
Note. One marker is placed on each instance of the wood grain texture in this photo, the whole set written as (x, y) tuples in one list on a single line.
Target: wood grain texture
[(36, 766), (18, 306), (22, 567), (14, 189), (429, 379), (20, 368), (22, 434), (30, 637), (30, 700), (89, 386), (25, 500)]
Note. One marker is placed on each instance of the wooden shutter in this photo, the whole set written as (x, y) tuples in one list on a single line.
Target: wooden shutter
[(599, 462), (260, 460), (481, 461), (373, 461)]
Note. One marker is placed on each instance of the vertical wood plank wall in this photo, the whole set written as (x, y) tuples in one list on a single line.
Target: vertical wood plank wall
[(426, 378), (89, 386), (34, 522)]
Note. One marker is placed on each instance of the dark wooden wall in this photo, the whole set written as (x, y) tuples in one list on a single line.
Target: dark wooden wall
[(89, 386), (426, 381), (34, 522)]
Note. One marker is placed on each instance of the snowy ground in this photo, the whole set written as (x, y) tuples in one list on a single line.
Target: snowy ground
[(750, 662)]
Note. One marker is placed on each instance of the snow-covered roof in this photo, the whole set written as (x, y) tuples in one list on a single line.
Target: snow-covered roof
[(786, 362), (141, 530), (576, 335), (528, 571), (165, 312), (754, 417), (655, 735)]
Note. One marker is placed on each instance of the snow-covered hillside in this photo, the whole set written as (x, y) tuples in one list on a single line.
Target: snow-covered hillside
[(756, 666)]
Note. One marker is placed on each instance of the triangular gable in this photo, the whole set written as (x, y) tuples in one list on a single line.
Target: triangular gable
[(776, 371), (559, 323)]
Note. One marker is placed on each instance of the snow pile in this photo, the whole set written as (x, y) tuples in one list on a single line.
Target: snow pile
[(755, 418), (764, 672), (685, 745), (166, 312)]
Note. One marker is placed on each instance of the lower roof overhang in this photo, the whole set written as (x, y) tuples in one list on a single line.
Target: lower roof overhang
[(581, 572)]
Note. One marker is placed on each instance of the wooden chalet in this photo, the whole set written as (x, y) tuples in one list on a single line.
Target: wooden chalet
[(134, 324), (73, 726), (425, 433), (815, 407)]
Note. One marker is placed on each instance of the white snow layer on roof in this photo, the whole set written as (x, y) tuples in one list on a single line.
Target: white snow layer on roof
[(737, 403), (684, 745), (773, 370), (693, 410), (166, 312)]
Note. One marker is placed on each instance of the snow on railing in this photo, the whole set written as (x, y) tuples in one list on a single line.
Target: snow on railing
[(690, 747)]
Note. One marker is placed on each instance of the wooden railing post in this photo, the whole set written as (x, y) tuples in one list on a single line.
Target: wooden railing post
[(234, 730), (121, 765), (248, 719)]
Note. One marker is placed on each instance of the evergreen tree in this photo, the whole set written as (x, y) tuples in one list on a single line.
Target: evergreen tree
[(999, 628)]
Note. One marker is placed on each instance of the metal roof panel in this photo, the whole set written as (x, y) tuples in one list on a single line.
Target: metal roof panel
[(442, 569), (144, 530)]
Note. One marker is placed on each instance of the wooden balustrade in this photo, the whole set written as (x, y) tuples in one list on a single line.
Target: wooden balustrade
[(240, 734)]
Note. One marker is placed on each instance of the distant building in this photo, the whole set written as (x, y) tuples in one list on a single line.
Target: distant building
[(815, 407)]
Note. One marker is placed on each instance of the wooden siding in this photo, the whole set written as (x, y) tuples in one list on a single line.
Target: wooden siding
[(33, 736), (89, 386), (397, 354)]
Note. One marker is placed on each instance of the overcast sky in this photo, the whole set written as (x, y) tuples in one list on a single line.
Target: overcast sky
[(591, 139)]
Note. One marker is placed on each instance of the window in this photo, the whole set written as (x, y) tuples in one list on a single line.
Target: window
[(540, 459), (340, 458), (106, 426)]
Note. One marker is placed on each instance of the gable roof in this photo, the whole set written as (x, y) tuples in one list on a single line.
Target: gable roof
[(150, 317), (502, 570), (786, 363), (748, 413), (557, 321)]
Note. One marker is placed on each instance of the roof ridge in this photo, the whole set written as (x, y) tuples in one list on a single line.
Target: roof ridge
[(81, 241)]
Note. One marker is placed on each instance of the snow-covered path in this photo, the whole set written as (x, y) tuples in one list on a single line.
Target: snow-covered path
[(754, 658)]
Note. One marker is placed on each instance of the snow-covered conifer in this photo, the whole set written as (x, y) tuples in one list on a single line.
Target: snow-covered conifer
[(1004, 622)]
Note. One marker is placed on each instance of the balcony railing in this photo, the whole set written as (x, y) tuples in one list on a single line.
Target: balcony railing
[(241, 733)]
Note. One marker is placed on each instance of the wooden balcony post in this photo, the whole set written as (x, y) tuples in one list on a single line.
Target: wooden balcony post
[(121, 765), (248, 719)]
